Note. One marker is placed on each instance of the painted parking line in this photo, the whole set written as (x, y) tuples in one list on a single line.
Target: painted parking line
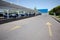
[(14, 28), (49, 28)]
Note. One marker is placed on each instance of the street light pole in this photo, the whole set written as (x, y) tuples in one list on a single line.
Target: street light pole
[(7, 14)]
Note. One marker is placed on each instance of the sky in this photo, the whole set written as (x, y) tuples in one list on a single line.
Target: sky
[(39, 4)]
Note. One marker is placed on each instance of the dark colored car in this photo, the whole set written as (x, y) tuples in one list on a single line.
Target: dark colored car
[(13, 15), (22, 15), (1, 15), (39, 14), (5, 15), (26, 15), (33, 14)]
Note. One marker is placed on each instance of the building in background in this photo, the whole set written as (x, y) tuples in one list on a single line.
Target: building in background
[(8, 8), (43, 11)]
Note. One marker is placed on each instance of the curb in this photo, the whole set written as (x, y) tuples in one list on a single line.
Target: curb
[(56, 19)]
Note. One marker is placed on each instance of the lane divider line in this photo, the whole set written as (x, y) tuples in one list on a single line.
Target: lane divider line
[(49, 28)]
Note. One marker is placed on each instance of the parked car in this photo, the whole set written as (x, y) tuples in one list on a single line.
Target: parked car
[(26, 15), (5, 15), (22, 15), (1, 14), (13, 15), (32, 14), (39, 14)]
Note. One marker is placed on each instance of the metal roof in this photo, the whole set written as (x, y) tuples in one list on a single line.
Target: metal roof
[(7, 5)]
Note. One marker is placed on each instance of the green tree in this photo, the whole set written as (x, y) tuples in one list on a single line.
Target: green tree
[(55, 10), (51, 12)]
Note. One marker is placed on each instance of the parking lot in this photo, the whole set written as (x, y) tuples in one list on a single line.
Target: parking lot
[(14, 16)]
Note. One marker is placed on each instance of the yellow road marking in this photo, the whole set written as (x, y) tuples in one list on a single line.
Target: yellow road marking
[(48, 23), (49, 27), (14, 28), (50, 31)]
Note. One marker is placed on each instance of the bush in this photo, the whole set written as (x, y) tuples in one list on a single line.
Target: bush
[(51, 12)]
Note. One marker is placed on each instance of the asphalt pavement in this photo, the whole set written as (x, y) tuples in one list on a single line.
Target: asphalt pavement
[(42, 27)]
